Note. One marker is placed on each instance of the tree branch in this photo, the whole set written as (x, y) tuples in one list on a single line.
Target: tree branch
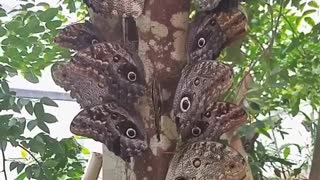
[(315, 166), (162, 38), (4, 163)]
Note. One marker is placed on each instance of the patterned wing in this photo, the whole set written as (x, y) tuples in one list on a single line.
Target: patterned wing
[(210, 5), (111, 124), (207, 160), (77, 36), (210, 32), (217, 119), (84, 84), (200, 84), (113, 69), (123, 8)]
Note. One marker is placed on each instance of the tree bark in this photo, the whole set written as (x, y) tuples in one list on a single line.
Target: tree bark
[(162, 38), (315, 166)]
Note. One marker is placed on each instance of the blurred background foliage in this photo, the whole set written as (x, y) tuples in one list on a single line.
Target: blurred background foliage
[(281, 52)]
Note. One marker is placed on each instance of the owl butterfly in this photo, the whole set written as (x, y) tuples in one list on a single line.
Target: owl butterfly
[(207, 160), (200, 84), (77, 36), (210, 32), (209, 5), (217, 119), (111, 124), (122, 8), (102, 72)]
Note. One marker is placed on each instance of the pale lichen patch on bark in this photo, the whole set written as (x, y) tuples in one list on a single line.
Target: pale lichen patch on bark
[(144, 111), (159, 66), (179, 52), (148, 66), (179, 20), (165, 94), (168, 128), (159, 30), (159, 146), (143, 23)]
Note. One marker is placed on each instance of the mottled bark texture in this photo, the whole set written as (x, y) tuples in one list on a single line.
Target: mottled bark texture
[(162, 38)]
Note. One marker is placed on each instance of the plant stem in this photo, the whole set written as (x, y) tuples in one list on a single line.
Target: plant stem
[(33, 157), (278, 153), (4, 164)]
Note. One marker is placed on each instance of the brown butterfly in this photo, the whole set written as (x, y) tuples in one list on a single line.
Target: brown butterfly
[(102, 72), (207, 160), (210, 32), (120, 130)]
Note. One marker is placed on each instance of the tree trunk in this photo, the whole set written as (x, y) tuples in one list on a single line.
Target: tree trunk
[(315, 166), (162, 38)]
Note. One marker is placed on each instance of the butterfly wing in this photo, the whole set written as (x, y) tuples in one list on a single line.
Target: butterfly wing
[(77, 36), (101, 72), (121, 8), (200, 84), (84, 84), (217, 119), (207, 160), (111, 124), (210, 32)]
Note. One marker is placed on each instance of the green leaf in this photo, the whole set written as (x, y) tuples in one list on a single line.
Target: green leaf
[(31, 77), (13, 25), (5, 87), (38, 110), (13, 165), (85, 150), (33, 171), (22, 176), (53, 24), (310, 21), (50, 163), (49, 118), (48, 101), (3, 13), (24, 101), (286, 152), (48, 14), (43, 127), (3, 145), (313, 4), (37, 145), (32, 124), (3, 31), (29, 108), (20, 167)]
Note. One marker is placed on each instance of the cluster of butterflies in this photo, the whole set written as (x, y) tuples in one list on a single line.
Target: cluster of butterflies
[(201, 118), (107, 78)]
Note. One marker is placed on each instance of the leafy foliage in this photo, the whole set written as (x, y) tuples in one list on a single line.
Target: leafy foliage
[(281, 52), (27, 47)]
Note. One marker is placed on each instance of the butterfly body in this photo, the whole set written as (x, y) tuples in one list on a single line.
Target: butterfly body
[(207, 160)]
